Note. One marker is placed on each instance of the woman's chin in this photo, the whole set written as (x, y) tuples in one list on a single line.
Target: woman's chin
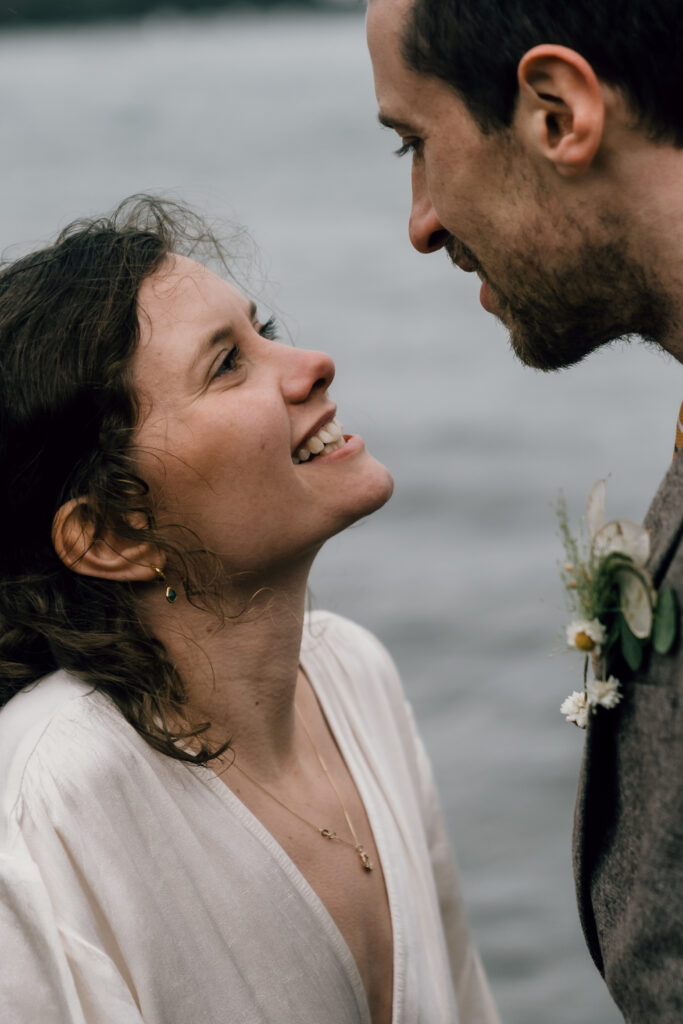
[(375, 491), (387, 488)]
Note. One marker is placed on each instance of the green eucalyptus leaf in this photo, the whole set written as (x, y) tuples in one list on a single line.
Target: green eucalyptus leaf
[(666, 622), (614, 631), (631, 647)]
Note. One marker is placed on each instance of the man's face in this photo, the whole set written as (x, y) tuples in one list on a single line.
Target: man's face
[(550, 253)]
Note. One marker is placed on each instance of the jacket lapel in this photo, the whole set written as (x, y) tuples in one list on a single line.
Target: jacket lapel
[(583, 842), (664, 520)]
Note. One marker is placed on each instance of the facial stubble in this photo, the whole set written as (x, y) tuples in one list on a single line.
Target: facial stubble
[(593, 292)]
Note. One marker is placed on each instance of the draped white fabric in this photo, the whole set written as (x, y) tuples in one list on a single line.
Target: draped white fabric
[(136, 888)]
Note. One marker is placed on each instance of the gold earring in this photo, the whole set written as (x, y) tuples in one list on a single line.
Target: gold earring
[(170, 594)]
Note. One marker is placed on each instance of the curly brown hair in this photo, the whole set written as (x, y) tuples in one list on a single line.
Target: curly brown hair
[(68, 329)]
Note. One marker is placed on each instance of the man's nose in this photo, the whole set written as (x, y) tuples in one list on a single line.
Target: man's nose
[(426, 231)]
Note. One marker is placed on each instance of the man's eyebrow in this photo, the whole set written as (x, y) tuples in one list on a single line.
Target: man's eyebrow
[(398, 126)]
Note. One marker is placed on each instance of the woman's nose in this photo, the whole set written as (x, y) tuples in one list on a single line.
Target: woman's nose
[(426, 231), (306, 372)]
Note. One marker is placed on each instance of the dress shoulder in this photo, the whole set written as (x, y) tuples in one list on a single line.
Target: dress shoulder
[(323, 629), (24, 720), (58, 736)]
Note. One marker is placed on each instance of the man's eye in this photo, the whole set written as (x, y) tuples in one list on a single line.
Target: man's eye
[(269, 329), (410, 146), (230, 362)]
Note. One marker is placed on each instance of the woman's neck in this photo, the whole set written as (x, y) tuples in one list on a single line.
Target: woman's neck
[(240, 674)]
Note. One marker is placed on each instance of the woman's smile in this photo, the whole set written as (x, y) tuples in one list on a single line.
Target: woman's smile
[(322, 441), (348, 444)]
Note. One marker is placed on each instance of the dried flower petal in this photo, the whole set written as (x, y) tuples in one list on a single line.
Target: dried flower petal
[(595, 507), (624, 537), (635, 602)]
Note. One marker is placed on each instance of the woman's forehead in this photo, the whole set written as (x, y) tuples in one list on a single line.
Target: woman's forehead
[(183, 283)]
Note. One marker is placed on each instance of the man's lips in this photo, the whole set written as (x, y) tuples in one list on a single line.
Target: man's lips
[(464, 264), (461, 256)]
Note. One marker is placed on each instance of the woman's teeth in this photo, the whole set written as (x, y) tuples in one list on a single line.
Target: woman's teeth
[(328, 439)]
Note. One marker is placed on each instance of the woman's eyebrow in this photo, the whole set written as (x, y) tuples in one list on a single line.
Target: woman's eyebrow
[(219, 335)]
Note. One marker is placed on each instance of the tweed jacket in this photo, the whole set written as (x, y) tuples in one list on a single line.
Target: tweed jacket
[(628, 826)]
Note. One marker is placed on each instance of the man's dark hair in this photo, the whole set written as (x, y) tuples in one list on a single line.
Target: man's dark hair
[(476, 45)]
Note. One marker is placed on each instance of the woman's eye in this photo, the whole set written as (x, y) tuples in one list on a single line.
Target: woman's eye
[(229, 363), (269, 329)]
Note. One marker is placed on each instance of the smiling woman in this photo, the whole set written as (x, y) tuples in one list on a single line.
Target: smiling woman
[(212, 805)]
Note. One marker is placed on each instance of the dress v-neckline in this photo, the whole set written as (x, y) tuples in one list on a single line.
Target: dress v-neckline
[(268, 840)]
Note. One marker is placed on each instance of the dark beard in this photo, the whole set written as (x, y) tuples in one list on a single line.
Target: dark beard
[(556, 317)]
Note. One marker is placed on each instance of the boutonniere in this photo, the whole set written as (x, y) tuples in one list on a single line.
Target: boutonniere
[(618, 612)]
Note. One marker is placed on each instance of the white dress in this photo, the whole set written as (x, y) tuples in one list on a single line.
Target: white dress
[(135, 888)]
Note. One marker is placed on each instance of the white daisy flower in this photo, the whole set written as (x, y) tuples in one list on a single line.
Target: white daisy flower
[(586, 635), (603, 693), (575, 709)]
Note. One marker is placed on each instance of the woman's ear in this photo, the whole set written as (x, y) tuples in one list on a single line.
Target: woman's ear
[(561, 109), (109, 556)]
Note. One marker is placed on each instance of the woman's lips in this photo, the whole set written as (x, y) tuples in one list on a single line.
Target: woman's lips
[(352, 443), (326, 439)]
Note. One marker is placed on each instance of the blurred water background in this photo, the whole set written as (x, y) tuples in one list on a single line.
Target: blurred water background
[(269, 119)]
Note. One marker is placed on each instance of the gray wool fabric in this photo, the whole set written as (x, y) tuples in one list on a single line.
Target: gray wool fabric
[(628, 826)]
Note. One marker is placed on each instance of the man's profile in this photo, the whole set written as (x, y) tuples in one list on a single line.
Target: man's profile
[(547, 157)]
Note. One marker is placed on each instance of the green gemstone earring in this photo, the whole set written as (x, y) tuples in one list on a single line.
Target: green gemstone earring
[(170, 593)]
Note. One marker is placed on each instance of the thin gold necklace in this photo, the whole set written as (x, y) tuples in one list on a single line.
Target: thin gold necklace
[(326, 833)]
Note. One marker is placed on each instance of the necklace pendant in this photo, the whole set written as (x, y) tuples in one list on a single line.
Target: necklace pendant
[(364, 858), (326, 834)]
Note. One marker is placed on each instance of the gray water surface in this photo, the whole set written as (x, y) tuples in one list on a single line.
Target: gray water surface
[(271, 120)]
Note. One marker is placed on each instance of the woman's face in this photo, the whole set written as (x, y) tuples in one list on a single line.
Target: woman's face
[(224, 410)]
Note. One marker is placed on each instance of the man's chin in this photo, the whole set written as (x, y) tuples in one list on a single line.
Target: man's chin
[(555, 317), (549, 350)]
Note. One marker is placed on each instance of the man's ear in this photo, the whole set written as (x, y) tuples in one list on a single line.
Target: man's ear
[(110, 557), (561, 108)]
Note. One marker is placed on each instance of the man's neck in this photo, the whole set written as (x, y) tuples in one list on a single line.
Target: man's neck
[(652, 184)]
